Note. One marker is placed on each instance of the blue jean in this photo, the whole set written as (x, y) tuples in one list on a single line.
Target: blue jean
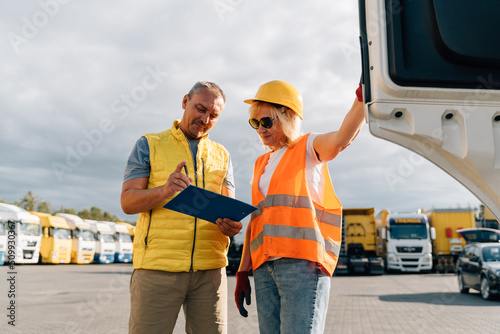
[(292, 296)]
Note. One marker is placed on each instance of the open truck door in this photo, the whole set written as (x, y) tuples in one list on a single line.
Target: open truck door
[(431, 75)]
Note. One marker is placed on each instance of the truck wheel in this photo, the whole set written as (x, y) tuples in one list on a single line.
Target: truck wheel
[(461, 286), (485, 289)]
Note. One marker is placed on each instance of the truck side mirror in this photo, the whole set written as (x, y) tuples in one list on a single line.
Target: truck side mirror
[(384, 233), (433, 233)]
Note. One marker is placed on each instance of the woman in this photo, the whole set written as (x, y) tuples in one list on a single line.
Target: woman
[(292, 241)]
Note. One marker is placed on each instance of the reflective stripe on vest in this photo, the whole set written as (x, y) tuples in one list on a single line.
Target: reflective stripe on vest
[(297, 202), (293, 232)]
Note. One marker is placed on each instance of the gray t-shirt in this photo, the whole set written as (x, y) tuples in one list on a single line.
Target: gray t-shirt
[(138, 164)]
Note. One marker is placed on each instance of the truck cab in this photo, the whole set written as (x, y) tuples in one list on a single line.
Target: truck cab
[(105, 241), (83, 241), (56, 239), (407, 238), (130, 228), (123, 244), (24, 229), (359, 243)]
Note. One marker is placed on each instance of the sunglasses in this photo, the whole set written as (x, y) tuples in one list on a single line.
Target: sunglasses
[(266, 122)]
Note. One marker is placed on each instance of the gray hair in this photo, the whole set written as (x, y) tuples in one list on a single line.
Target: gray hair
[(206, 84)]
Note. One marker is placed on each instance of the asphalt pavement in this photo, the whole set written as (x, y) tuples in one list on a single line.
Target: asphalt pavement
[(95, 299)]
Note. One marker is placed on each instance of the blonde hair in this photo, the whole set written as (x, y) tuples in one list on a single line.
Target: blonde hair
[(289, 121)]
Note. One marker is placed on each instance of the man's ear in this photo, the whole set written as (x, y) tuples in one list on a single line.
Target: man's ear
[(185, 101)]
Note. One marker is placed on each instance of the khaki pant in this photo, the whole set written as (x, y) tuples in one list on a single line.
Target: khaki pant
[(157, 296)]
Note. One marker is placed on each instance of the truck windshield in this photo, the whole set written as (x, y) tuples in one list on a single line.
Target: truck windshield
[(124, 237), (106, 237), (2, 228), (86, 235), (491, 254), (408, 231), (30, 228), (61, 233)]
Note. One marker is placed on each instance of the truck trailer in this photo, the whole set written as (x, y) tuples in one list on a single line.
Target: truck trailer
[(448, 243), (358, 253)]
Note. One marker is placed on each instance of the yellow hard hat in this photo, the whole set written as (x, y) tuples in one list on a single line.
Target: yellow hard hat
[(279, 92)]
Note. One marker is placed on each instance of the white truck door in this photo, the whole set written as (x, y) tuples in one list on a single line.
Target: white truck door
[(431, 75)]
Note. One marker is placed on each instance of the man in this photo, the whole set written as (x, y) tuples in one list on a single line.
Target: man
[(178, 259)]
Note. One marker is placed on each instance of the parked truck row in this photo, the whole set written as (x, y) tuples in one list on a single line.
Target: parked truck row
[(389, 241), (36, 237), (402, 241)]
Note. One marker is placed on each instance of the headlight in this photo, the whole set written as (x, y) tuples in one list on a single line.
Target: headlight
[(392, 258), (497, 274), (427, 259)]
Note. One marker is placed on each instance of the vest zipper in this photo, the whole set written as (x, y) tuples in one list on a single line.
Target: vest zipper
[(203, 171), (147, 233), (196, 219)]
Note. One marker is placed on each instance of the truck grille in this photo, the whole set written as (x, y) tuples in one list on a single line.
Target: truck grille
[(409, 249)]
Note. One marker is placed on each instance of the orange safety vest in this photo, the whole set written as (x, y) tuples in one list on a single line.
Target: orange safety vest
[(288, 223)]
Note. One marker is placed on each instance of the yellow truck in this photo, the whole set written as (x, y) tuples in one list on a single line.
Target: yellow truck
[(56, 239), (359, 246), (448, 243)]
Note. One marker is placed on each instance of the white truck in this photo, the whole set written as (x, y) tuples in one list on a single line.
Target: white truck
[(3, 238), (407, 241), (123, 244), (105, 241), (23, 231), (83, 239)]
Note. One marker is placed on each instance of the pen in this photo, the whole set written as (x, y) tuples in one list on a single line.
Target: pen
[(186, 170)]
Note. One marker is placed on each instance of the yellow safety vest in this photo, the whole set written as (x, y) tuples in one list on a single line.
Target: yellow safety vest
[(170, 241), (288, 223)]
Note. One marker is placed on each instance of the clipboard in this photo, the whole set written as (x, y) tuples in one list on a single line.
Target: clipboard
[(208, 205)]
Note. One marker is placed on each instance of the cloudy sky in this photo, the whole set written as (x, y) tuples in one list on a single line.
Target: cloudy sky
[(83, 80)]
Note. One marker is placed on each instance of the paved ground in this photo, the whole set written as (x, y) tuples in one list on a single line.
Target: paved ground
[(94, 299)]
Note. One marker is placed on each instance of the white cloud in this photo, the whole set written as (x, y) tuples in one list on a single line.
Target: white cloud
[(87, 65)]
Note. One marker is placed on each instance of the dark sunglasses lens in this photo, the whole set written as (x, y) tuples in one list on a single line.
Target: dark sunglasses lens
[(266, 122), (254, 123)]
